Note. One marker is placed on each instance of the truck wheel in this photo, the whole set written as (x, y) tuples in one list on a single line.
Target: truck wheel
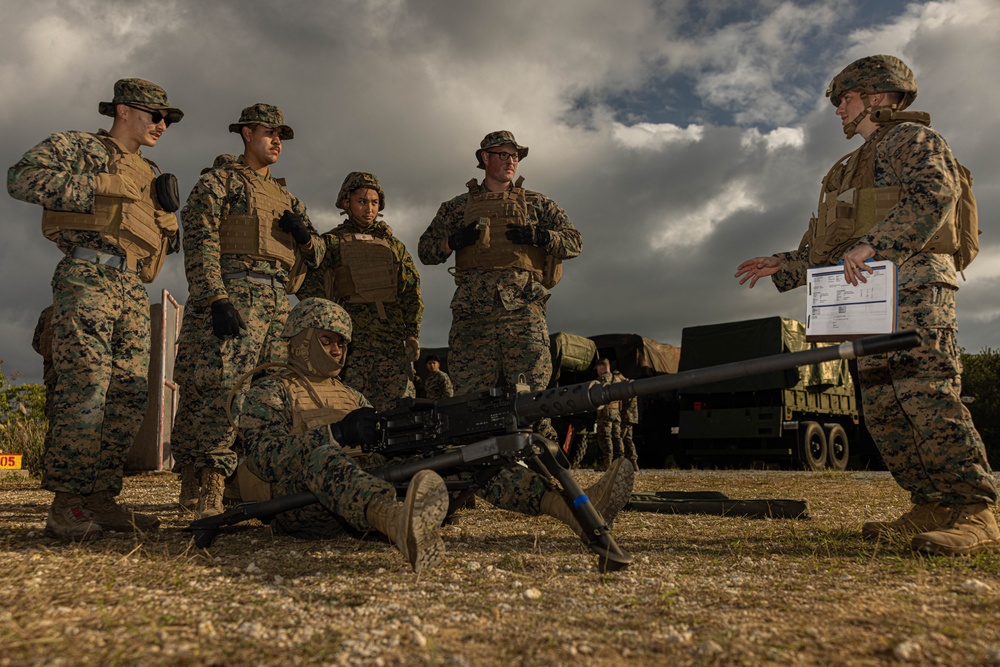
[(812, 446), (837, 448)]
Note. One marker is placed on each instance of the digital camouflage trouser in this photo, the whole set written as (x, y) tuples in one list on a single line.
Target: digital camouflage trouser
[(100, 360), (609, 436), (497, 346), (913, 407), (309, 463), (206, 368), (380, 376)]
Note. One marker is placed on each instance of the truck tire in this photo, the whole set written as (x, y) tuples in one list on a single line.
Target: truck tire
[(838, 450), (812, 446), (578, 450)]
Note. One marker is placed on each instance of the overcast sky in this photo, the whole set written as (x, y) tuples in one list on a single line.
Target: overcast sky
[(680, 137)]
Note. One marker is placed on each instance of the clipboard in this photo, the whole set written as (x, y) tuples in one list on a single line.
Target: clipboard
[(837, 311)]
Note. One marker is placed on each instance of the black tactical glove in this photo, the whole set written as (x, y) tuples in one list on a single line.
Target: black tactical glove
[(357, 428), (527, 235), (226, 320), (464, 237), (295, 225)]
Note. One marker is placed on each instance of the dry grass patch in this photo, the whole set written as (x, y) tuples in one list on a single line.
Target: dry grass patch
[(705, 590)]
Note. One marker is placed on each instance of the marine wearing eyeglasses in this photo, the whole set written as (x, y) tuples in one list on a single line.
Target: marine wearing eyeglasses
[(113, 217), (508, 244)]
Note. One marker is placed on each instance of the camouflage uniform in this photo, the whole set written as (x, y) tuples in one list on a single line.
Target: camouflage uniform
[(305, 462), (630, 418), (912, 403), (288, 442), (498, 329), (378, 364), (498, 326), (438, 385), (41, 342), (100, 316), (609, 426), (206, 366)]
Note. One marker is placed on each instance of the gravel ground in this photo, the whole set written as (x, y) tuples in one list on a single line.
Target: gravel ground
[(704, 590)]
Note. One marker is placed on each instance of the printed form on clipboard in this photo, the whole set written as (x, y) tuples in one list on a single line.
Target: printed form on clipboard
[(838, 311)]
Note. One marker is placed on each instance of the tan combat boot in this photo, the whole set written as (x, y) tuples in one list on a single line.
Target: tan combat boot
[(109, 515), (973, 528), (918, 519), (190, 490), (68, 519), (414, 525), (608, 496), (213, 487)]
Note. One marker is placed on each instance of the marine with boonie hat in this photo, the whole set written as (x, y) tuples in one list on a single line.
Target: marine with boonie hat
[(111, 212), (369, 271), (247, 244), (508, 243)]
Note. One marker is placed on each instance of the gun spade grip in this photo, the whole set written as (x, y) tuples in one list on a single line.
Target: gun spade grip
[(901, 340)]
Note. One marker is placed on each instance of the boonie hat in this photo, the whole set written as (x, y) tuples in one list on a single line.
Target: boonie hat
[(499, 138), (142, 93), (267, 115)]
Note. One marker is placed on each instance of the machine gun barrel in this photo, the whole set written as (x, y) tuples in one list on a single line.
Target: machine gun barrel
[(588, 396)]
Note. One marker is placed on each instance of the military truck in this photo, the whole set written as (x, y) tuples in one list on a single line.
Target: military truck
[(806, 417)]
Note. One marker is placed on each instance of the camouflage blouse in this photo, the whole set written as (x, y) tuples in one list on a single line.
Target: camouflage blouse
[(403, 315), (59, 174), (512, 289), (220, 192), (918, 160)]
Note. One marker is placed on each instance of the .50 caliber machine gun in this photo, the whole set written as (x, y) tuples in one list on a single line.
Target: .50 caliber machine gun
[(471, 438)]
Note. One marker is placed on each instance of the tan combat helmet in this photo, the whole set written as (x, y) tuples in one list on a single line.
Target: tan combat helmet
[(871, 75), (499, 138), (142, 93), (875, 74), (360, 179), (316, 313), (267, 115)]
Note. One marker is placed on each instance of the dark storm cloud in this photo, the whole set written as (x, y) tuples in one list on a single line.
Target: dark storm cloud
[(407, 90)]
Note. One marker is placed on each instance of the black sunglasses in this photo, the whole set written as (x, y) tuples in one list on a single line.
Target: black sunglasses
[(156, 116)]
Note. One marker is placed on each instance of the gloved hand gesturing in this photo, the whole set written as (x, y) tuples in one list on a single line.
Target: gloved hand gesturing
[(527, 235), (295, 225), (116, 185), (226, 320), (464, 237), (356, 428)]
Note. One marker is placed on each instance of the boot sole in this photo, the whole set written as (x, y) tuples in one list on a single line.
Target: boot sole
[(925, 547), (127, 528), (874, 534), (426, 504), (88, 535), (621, 491)]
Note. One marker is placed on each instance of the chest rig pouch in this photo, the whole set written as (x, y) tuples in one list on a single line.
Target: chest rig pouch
[(128, 225), (256, 234), (367, 272), (492, 212)]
